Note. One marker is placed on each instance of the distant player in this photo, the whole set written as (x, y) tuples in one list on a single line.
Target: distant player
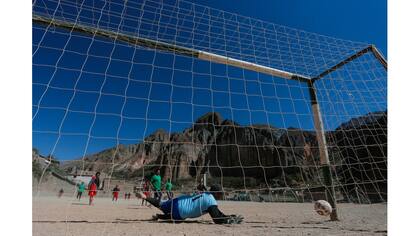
[(192, 206), (168, 188), (93, 186), (146, 191), (60, 193), (115, 193), (201, 187), (80, 189), (156, 182)]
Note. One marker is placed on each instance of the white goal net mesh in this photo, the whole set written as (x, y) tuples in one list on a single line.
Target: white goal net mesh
[(119, 87)]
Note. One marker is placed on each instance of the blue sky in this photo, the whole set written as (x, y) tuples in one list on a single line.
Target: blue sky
[(356, 20), (83, 101)]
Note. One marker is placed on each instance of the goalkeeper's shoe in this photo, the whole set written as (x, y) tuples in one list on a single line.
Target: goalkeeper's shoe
[(234, 219)]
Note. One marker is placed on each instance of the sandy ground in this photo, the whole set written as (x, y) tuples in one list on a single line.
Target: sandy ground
[(67, 216)]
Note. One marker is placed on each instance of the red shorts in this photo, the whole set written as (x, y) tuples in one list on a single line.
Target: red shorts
[(92, 190)]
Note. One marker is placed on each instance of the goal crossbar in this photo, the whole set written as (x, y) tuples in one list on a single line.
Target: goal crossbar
[(370, 48), (163, 46)]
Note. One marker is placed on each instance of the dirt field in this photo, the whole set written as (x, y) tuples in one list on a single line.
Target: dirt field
[(67, 216)]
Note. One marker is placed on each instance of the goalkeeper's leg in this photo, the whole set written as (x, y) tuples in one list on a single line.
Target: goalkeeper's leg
[(220, 218), (155, 202), (162, 217)]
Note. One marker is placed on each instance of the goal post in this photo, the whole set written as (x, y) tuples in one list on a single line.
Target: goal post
[(211, 57)]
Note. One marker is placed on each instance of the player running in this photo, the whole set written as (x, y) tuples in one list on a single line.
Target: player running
[(168, 188), (93, 186), (146, 191), (60, 193), (193, 206), (80, 190), (156, 182), (115, 192)]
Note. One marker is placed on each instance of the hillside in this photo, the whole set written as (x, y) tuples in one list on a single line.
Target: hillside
[(360, 147), (226, 149), (211, 143)]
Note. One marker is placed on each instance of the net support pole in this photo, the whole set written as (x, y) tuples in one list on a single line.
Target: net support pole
[(205, 179), (371, 48), (379, 56), (323, 152)]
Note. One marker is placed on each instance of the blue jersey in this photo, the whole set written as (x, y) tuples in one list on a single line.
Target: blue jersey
[(189, 206)]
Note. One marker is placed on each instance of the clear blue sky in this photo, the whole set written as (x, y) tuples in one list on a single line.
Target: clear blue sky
[(106, 110), (356, 20)]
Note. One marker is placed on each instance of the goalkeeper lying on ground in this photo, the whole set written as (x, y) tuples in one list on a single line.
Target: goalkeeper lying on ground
[(192, 206)]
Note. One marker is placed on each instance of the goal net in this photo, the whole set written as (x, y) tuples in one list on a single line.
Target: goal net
[(269, 113)]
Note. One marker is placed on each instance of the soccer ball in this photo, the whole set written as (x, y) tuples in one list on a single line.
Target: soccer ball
[(322, 207)]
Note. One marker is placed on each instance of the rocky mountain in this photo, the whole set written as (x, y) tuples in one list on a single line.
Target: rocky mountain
[(360, 149), (221, 147), (226, 149)]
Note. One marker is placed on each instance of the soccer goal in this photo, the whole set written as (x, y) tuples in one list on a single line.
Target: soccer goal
[(269, 113)]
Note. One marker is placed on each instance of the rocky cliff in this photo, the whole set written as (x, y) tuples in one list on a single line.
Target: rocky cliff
[(221, 147), (224, 148), (359, 147)]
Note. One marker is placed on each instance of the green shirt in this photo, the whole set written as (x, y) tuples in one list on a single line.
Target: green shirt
[(168, 186), (81, 187), (156, 182)]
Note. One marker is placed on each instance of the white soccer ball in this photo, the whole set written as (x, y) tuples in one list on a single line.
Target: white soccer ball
[(322, 207)]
